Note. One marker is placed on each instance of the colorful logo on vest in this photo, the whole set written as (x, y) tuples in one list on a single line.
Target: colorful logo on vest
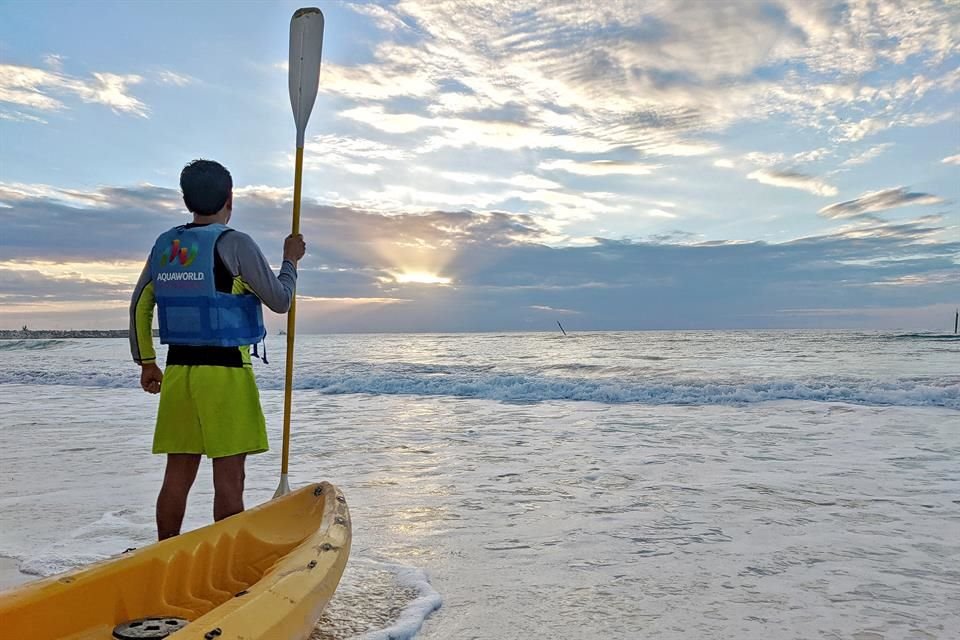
[(177, 253)]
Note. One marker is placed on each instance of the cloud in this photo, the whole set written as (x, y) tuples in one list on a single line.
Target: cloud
[(380, 119), (90, 271), (660, 213), (500, 270), (39, 89), (21, 85), (350, 153), (527, 181), (455, 116), (350, 301), (793, 180), (922, 119), (655, 78), (878, 201), (174, 78), (951, 159), (148, 209), (599, 167), (368, 82), (765, 158), (814, 155), (855, 131), (867, 155), (384, 18), (110, 90), (54, 61), (542, 307), (19, 116)]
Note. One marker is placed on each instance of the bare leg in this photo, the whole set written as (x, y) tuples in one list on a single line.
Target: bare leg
[(172, 501), (228, 477)]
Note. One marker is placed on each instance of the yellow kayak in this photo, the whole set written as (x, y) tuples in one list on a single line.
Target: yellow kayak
[(266, 573)]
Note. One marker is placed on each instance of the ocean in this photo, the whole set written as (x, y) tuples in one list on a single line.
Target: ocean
[(743, 484)]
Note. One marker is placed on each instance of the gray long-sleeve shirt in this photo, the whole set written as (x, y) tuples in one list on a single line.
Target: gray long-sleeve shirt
[(248, 267)]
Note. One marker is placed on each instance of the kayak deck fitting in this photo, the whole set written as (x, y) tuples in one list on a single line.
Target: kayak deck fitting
[(265, 573)]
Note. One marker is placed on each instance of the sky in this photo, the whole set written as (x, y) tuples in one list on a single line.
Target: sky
[(489, 166)]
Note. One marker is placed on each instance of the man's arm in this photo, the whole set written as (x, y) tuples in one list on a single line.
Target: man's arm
[(243, 258), (141, 332), (141, 319)]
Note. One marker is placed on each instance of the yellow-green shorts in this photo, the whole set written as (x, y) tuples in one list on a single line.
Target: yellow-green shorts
[(211, 410)]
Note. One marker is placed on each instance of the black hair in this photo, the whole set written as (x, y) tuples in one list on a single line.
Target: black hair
[(205, 185)]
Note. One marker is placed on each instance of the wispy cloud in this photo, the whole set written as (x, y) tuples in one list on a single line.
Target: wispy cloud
[(793, 180), (542, 307), (856, 131), (867, 155), (660, 213), (951, 159), (878, 201), (54, 61), (369, 82), (814, 155), (172, 77), (19, 116), (350, 153), (384, 18), (600, 167), (40, 89)]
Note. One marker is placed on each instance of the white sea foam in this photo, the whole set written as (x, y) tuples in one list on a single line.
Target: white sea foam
[(685, 368), (30, 345), (378, 600), (111, 534), (416, 611), (490, 385), (520, 388)]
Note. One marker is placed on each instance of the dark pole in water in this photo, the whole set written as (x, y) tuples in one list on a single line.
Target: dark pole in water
[(561, 327), (956, 321)]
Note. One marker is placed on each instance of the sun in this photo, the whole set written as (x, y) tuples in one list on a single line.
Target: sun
[(419, 277)]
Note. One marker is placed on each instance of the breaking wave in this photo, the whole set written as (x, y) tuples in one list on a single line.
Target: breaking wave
[(488, 384), (29, 345), (946, 337)]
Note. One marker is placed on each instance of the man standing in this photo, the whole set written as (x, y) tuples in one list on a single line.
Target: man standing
[(207, 282)]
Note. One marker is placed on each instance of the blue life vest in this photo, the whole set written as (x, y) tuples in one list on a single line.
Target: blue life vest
[(190, 309)]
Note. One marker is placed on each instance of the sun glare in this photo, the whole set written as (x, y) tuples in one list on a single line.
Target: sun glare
[(419, 277)]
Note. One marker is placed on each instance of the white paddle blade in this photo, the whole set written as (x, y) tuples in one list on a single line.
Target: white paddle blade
[(306, 45), (283, 488)]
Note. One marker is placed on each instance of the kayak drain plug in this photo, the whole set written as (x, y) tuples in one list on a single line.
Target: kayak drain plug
[(148, 628)]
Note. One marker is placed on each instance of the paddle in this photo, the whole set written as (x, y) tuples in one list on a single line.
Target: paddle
[(306, 44)]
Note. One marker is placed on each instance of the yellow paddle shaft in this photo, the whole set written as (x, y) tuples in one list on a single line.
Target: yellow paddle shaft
[(291, 323)]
